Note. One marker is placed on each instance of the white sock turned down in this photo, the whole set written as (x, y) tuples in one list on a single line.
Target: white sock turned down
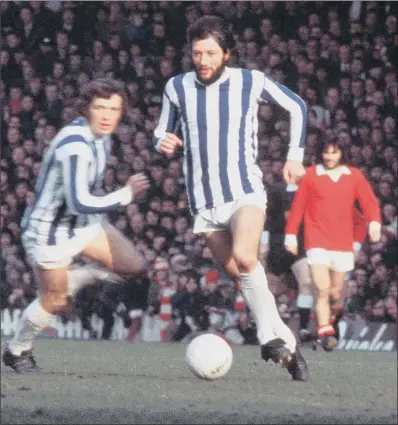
[(262, 304), (81, 276), (33, 320)]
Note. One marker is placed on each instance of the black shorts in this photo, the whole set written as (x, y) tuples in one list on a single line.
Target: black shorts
[(279, 261)]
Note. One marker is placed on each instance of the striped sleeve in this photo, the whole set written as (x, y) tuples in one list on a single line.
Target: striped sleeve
[(75, 170), (296, 213), (169, 115), (274, 92)]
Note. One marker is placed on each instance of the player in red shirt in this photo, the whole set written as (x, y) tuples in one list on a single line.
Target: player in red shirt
[(326, 201)]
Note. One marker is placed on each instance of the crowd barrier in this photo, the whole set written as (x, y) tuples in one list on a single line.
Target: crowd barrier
[(355, 335)]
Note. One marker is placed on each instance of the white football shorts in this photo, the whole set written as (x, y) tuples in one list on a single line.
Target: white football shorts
[(340, 261), (51, 257), (217, 218)]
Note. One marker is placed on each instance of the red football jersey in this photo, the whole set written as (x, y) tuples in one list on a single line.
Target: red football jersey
[(327, 206)]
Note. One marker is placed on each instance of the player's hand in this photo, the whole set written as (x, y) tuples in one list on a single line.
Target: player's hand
[(293, 171), (292, 249), (169, 145), (138, 184), (374, 232)]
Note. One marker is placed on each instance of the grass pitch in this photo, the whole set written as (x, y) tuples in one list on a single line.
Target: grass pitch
[(101, 382)]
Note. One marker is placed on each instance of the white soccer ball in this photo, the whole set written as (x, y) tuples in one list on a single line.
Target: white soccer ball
[(208, 356)]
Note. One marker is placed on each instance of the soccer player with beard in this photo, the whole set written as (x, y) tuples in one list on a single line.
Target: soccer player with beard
[(325, 202), (216, 108)]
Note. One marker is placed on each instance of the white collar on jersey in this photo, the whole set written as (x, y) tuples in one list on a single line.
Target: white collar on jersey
[(223, 77), (320, 170)]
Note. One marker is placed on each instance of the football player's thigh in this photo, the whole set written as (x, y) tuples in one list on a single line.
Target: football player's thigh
[(220, 244), (112, 249), (247, 225)]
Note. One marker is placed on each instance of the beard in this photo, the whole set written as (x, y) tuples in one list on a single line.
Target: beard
[(214, 77)]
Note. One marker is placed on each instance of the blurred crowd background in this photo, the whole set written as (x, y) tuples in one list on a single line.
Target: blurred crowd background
[(341, 57)]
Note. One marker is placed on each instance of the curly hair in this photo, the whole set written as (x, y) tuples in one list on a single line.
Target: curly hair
[(212, 26), (336, 143), (102, 88)]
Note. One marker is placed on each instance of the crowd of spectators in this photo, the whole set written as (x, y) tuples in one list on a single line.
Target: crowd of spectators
[(341, 57)]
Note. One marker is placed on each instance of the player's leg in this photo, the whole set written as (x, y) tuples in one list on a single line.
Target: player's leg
[(53, 299), (305, 299), (114, 251), (337, 279), (246, 228), (220, 244), (342, 262), (319, 260), (321, 277)]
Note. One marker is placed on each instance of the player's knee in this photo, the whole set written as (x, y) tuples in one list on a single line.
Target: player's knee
[(231, 270), (246, 260), (142, 266), (335, 294), (138, 267), (133, 267)]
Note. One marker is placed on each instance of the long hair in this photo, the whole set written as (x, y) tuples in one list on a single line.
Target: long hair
[(103, 88), (212, 26), (335, 143)]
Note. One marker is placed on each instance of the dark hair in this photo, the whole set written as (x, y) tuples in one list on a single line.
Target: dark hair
[(336, 143), (212, 26), (103, 88)]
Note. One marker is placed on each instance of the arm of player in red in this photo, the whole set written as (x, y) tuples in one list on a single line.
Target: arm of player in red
[(370, 206), (360, 229)]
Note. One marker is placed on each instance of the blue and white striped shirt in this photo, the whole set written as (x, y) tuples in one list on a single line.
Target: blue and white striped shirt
[(72, 169), (219, 124)]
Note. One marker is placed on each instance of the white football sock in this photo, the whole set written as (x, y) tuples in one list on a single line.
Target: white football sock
[(86, 275), (280, 329), (255, 292), (305, 301), (33, 320), (262, 304)]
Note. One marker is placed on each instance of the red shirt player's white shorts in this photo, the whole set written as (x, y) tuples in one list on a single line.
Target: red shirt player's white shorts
[(340, 261)]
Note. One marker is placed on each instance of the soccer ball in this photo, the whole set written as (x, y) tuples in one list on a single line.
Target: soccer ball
[(209, 357)]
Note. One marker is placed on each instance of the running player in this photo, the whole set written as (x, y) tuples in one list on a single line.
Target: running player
[(280, 261), (65, 219), (326, 201), (216, 107)]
